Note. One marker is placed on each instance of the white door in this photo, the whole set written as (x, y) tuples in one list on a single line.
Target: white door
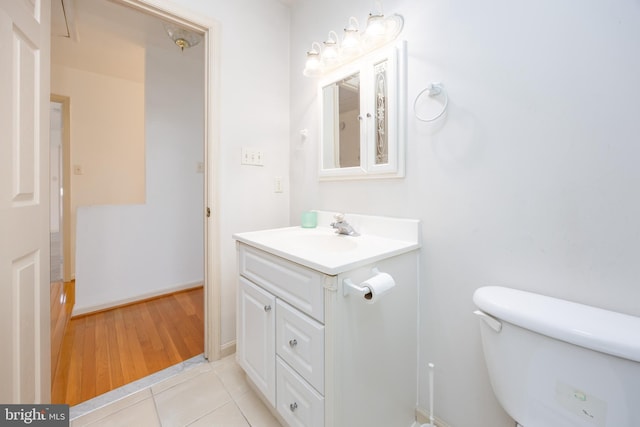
[(256, 342), (25, 372)]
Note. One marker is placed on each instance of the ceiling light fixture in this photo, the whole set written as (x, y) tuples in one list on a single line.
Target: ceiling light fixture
[(181, 37)]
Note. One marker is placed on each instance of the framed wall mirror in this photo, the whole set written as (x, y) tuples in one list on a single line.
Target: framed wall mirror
[(363, 117)]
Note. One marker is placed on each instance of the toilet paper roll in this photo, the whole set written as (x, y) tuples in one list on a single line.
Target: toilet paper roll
[(378, 285)]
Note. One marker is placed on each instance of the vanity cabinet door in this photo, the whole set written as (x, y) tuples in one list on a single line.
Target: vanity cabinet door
[(256, 337)]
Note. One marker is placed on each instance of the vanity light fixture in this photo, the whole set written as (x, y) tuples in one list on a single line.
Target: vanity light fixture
[(181, 37), (375, 30), (330, 52), (313, 67), (351, 43), (380, 30)]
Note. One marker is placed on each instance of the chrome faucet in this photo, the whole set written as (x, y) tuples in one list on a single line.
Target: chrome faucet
[(342, 226)]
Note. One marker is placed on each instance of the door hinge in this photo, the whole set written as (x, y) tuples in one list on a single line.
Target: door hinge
[(208, 212)]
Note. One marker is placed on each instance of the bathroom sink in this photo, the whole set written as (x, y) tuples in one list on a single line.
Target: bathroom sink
[(320, 241), (322, 249), (307, 240)]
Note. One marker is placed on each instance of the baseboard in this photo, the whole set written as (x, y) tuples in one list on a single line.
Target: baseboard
[(422, 417), (83, 311), (227, 349)]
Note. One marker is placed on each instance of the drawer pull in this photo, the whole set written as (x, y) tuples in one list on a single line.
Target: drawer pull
[(293, 343), (293, 406), (267, 308)]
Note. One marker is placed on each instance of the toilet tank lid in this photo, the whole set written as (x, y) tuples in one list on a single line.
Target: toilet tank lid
[(601, 330)]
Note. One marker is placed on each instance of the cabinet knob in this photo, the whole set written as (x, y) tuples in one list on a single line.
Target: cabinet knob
[(293, 406), (267, 308), (293, 342)]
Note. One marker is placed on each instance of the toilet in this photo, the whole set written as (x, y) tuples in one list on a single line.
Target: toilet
[(556, 363)]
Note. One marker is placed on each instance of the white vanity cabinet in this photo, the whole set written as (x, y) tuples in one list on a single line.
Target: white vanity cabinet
[(280, 346), (321, 354)]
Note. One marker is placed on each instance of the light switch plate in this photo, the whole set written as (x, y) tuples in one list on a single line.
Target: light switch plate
[(252, 157)]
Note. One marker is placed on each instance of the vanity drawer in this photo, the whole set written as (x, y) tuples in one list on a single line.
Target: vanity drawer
[(300, 342), (297, 402), (298, 285)]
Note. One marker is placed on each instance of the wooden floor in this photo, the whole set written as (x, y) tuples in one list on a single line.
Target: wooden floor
[(62, 300), (109, 349)]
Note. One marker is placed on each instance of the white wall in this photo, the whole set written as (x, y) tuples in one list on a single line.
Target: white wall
[(132, 251), (530, 181), (106, 137)]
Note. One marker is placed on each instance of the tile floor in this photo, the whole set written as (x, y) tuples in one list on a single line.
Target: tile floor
[(195, 394)]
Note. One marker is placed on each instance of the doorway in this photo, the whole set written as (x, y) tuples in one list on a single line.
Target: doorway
[(200, 167)]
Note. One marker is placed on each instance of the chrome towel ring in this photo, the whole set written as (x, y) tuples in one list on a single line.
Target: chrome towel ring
[(434, 89)]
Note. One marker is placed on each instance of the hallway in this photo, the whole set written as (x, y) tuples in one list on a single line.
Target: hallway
[(108, 349)]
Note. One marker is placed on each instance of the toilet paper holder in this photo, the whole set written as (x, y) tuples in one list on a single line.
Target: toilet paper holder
[(352, 288)]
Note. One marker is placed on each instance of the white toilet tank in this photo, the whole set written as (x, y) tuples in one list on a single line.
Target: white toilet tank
[(555, 363)]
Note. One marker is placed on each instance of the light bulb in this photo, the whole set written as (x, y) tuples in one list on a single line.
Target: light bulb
[(330, 52), (313, 66), (351, 45), (375, 32)]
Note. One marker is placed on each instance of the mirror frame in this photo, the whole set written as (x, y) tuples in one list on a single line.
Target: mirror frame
[(395, 54)]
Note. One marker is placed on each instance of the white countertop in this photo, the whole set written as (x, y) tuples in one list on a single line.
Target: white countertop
[(323, 250)]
